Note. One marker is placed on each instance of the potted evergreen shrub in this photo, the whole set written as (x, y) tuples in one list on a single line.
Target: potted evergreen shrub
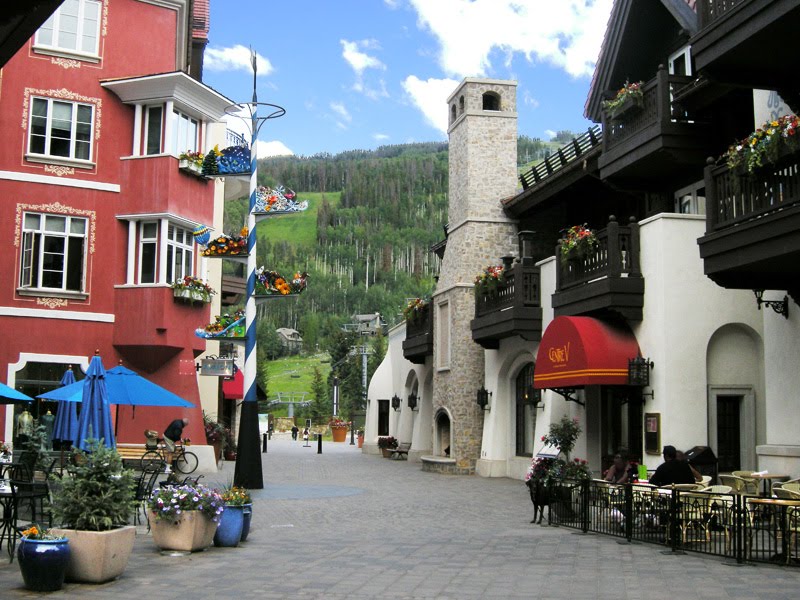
[(94, 505)]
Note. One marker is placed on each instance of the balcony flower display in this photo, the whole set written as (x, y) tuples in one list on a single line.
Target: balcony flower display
[(271, 283), (489, 280), (227, 245), (277, 199), (193, 289), (578, 241), (416, 309), (628, 95), (228, 161), (224, 326), (764, 145), (195, 158)]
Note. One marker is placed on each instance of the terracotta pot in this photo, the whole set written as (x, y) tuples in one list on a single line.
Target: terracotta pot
[(360, 441), (193, 532), (339, 434), (387, 452)]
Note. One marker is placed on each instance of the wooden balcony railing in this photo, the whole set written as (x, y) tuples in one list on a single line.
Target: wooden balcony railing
[(657, 107), (520, 289), (616, 255), (710, 11), (732, 198), (562, 157)]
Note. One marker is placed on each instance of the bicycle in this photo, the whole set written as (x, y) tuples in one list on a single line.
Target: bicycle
[(183, 460)]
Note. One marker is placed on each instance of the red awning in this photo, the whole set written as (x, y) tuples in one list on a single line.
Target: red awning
[(580, 351), (233, 389)]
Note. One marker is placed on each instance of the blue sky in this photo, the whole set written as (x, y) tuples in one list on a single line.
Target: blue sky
[(358, 74)]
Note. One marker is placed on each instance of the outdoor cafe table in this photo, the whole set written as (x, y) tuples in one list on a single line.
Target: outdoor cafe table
[(766, 478), (7, 531), (784, 506)]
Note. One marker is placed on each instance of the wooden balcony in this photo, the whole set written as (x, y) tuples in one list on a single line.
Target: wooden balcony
[(418, 344), (752, 238), (608, 280), (514, 310), (748, 42), (658, 140)]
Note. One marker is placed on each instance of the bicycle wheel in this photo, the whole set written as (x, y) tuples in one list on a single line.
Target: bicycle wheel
[(186, 463), (151, 458)]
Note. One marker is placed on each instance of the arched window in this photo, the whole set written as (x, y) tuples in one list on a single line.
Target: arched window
[(461, 105), (526, 400), (491, 101), (453, 114)]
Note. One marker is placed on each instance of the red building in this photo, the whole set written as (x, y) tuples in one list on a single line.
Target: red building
[(94, 111)]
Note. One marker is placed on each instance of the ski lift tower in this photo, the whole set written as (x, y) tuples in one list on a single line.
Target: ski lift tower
[(365, 325)]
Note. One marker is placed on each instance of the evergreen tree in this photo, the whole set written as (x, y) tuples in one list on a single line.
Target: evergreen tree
[(320, 407)]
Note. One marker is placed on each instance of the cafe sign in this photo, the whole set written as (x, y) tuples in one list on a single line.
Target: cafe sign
[(217, 367)]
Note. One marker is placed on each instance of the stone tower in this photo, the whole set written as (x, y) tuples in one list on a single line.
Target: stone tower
[(483, 170)]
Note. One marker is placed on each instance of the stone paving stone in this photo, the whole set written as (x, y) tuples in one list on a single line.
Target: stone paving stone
[(346, 526)]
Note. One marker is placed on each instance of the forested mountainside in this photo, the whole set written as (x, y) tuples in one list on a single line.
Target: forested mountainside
[(365, 239)]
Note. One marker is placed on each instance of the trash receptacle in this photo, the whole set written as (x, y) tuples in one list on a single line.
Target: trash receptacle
[(704, 460)]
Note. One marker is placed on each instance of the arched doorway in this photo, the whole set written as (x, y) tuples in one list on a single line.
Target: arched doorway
[(442, 437)]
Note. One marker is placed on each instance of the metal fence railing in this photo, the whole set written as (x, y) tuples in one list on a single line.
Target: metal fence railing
[(738, 527)]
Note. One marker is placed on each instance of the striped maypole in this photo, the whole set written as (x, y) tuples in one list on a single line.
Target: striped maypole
[(248, 461)]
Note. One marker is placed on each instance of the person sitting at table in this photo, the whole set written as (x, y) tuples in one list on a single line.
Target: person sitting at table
[(671, 470), (681, 456), (620, 471)]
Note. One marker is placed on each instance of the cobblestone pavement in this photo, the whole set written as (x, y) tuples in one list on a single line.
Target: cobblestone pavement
[(343, 525)]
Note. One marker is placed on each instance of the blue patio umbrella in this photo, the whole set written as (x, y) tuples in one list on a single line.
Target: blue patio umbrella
[(124, 387), (66, 424), (9, 395), (95, 419)]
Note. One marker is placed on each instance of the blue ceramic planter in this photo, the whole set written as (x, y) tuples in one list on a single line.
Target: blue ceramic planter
[(229, 532), (248, 515), (43, 563)]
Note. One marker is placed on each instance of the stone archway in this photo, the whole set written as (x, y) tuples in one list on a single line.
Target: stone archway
[(442, 435)]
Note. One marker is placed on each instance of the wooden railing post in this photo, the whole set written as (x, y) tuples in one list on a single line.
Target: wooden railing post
[(613, 248), (559, 266), (634, 268), (712, 199), (664, 112)]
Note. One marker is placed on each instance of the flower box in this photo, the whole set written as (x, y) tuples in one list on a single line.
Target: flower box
[(190, 167), (629, 107), (191, 295)]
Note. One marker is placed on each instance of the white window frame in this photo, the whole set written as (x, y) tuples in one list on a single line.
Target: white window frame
[(85, 27), (49, 124), (691, 193), (185, 133), (183, 248), (32, 258), (146, 130), (686, 53), (144, 242)]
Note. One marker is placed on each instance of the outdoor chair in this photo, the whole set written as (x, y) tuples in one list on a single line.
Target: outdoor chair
[(750, 484), (687, 487), (786, 494), (695, 515), (144, 488), (718, 489), (705, 481), (33, 496), (737, 484)]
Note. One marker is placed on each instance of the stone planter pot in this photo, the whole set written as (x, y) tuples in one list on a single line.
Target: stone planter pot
[(192, 533), (97, 556), (43, 563)]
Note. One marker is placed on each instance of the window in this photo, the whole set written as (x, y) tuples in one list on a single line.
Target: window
[(74, 27), (152, 129), (179, 253), (53, 252), (164, 252), (680, 63), (691, 200), (184, 132), (491, 101), (61, 129), (148, 251)]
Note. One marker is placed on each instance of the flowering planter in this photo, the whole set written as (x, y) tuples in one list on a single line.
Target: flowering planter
[(339, 434), (247, 515), (43, 563), (190, 167), (229, 532), (191, 295), (629, 107), (192, 533)]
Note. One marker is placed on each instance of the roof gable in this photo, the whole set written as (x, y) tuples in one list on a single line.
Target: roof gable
[(639, 37)]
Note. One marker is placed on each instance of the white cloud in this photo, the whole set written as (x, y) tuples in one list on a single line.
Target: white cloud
[(379, 137), (359, 61), (550, 134), (529, 100), (342, 118), (430, 97), (236, 58), (567, 33), (272, 148)]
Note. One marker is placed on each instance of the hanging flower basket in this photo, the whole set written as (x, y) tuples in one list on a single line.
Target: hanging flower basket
[(228, 245), (271, 283), (629, 99), (765, 146), (578, 242), (488, 282), (415, 310)]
